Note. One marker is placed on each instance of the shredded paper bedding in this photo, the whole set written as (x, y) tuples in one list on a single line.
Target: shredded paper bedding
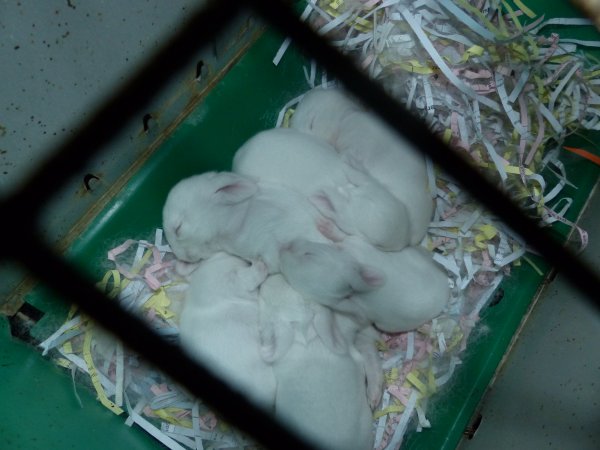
[(485, 77)]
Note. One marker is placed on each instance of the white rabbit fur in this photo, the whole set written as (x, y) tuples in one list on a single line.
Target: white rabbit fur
[(394, 162), (354, 200), (322, 394), (361, 137), (219, 325), (415, 289), (345, 276), (223, 211), (321, 111)]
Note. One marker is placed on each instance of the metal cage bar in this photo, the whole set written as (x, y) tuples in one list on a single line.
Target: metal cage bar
[(27, 247)]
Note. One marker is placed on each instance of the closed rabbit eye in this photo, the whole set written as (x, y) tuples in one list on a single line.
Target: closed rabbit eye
[(178, 229)]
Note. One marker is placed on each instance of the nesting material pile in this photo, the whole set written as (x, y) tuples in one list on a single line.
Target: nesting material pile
[(497, 89), (502, 92)]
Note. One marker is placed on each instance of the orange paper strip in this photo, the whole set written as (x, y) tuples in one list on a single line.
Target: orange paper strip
[(584, 153)]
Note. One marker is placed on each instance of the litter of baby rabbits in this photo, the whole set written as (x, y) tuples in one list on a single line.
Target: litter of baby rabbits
[(425, 45), (414, 364)]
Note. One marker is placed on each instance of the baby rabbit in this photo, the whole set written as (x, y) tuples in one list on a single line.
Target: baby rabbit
[(219, 325), (321, 111), (394, 162), (355, 201), (202, 208), (362, 138), (415, 289), (321, 394), (222, 211), (328, 273)]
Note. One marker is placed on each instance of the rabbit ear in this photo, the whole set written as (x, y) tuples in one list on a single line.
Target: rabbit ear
[(329, 225), (355, 171), (322, 201), (329, 332), (235, 190), (275, 340), (268, 343), (275, 336), (368, 278), (335, 206)]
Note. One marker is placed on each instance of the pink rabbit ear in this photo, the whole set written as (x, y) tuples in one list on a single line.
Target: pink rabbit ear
[(369, 278), (275, 341), (323, 203), (330, 230), (268, 344), (329, 332), (235, 191)]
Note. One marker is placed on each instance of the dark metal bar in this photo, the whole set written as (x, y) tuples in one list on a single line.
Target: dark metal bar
[(58, 275), (67, 282), (283, 18)]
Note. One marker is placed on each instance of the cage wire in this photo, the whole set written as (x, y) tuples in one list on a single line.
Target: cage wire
[(29, 249)]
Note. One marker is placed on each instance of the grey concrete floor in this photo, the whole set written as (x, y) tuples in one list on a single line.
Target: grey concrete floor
[(547, 394)]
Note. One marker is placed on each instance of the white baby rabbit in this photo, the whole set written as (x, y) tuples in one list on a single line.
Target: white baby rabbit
[(328, 273), (355, 201), (362, 138), (219, 325), (222, 211), (320, 393), (415, 288), (285, 316), (320, 113), (202, 208), (393, 161)]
